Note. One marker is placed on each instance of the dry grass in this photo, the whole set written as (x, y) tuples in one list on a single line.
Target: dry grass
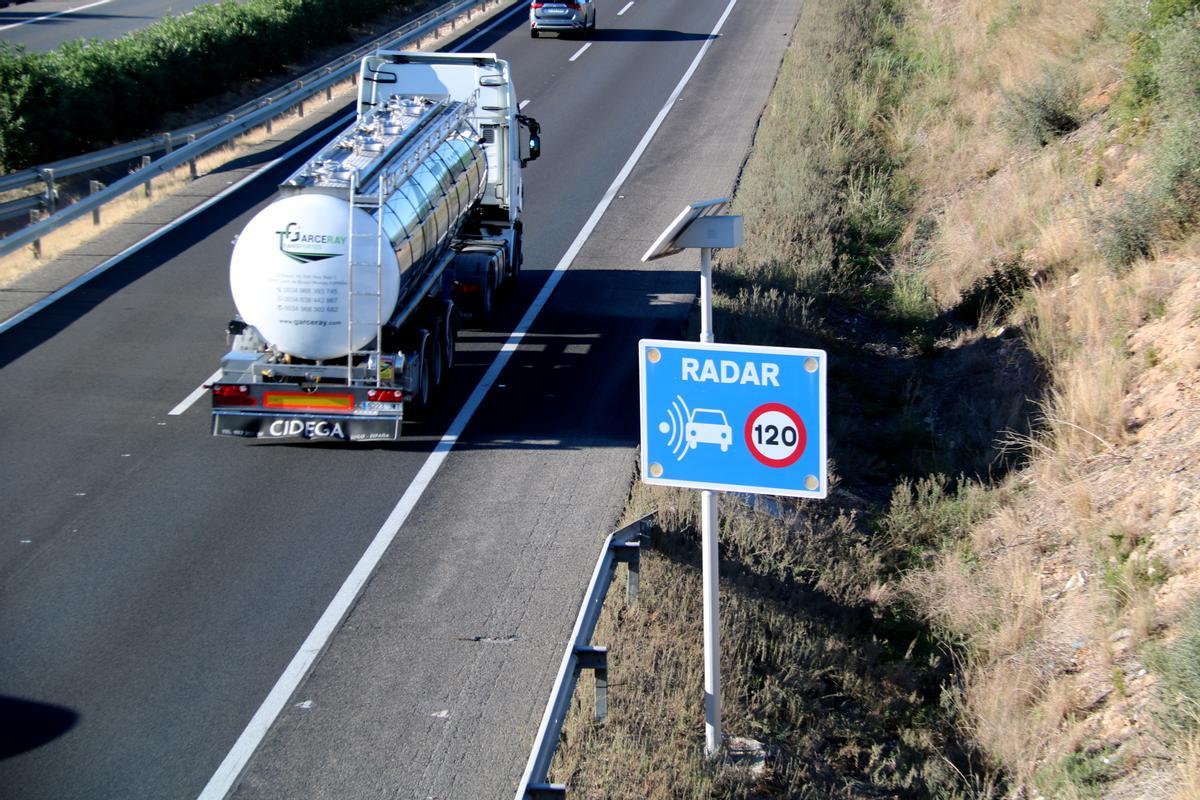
[(1049, 586), (1188, 787)]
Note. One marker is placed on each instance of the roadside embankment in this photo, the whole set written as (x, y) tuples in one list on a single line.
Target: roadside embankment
[(986, 212)]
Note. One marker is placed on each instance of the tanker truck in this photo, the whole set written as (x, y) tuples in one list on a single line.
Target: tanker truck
[(351, 285)]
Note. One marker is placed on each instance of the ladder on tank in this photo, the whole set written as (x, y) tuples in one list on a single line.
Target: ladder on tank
[(373, 205)]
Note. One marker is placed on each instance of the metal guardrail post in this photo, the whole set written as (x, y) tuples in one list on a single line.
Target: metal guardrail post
[(36, 244), (630, 554), (620, 546), (93, 187), (148, 188), (192, 162), (51, 195), (596, 659)]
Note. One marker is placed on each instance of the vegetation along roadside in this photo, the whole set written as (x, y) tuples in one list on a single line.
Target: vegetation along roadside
[(985, 210), (91, 94)]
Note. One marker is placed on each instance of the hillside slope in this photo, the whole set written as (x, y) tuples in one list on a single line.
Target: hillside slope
[(985, 211)]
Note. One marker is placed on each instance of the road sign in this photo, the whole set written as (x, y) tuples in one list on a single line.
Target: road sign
[(737, 418)]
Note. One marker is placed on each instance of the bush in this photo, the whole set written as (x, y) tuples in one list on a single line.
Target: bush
[(1126, 232), (1179, 679), (1046, 111), (87, 95)]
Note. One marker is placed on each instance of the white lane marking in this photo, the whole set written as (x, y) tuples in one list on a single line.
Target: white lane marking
[(230, 770), (55, 14), (196, 394), (103, 267), (628, 6), (579, 52), (521, 105)]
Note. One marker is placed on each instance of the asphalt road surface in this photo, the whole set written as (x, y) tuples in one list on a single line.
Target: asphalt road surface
[(155, 582), (44, 25)]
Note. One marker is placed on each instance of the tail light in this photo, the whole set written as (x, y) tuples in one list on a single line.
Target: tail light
[(232, 395), (385, 395)]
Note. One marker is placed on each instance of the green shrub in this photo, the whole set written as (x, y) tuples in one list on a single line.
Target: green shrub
[(1178, 667), (1046, 111), (87, 95), (1126, 232)]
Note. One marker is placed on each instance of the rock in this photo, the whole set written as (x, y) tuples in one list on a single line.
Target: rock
[(747, 754)]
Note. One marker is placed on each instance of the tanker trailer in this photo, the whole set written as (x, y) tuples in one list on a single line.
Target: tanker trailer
[(351, 284)]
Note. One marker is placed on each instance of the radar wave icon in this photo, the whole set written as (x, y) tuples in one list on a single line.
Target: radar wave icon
[(674, 427)]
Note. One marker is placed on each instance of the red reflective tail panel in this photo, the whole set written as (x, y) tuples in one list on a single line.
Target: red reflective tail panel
[(232, 395)]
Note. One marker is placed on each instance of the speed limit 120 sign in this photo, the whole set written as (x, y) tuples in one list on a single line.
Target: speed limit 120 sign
[(734, 418)]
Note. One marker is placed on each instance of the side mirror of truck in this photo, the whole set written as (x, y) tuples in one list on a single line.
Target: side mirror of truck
[(535, 137)]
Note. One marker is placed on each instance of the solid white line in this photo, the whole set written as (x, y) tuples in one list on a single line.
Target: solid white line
[(100, 269), (55, 14), (579, 52), (227, 774), (196, 394), (628, 6), (521, 105)]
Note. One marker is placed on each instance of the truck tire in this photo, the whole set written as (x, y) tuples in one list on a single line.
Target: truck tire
[(420, 396), (451, 325), (514, 269), (437, 356)]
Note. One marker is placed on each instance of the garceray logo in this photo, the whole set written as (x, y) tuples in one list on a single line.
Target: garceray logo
[(307, 247)]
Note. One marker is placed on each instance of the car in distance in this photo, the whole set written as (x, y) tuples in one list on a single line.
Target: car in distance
[(708, 426), (562, 16)]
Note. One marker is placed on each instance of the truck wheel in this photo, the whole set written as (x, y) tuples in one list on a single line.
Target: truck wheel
[(421, 400), (452, 323), (437, 355), (514, 270)]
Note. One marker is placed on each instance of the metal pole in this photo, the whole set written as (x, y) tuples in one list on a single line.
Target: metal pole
[(706, 295), (709, 524), (712, 626)]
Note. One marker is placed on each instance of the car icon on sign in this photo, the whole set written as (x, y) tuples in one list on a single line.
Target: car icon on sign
[(708, 425)]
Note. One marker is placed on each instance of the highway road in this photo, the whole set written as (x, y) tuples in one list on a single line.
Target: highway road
[(44, 25), (155, 583)]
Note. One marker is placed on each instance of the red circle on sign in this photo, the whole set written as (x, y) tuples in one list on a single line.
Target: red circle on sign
[(801, 435)]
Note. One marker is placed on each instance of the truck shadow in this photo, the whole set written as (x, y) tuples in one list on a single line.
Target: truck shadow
[(573, 382), (643, 35)]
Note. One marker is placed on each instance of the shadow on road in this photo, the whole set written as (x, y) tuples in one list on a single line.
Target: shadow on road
[(636, 35), (28, 725)]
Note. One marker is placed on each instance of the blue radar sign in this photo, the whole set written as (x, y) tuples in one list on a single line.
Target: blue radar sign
[(736, 418)]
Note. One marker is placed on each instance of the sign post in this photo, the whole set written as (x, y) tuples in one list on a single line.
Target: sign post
[(719, 417)]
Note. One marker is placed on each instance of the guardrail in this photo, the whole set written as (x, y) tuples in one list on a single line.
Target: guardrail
[(186, 145), (621, 547)]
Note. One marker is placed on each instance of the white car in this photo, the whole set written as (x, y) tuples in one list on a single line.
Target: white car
[(562, 16), (708, 425)]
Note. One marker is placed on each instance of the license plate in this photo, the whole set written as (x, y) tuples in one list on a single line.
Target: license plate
[(350, 429)]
